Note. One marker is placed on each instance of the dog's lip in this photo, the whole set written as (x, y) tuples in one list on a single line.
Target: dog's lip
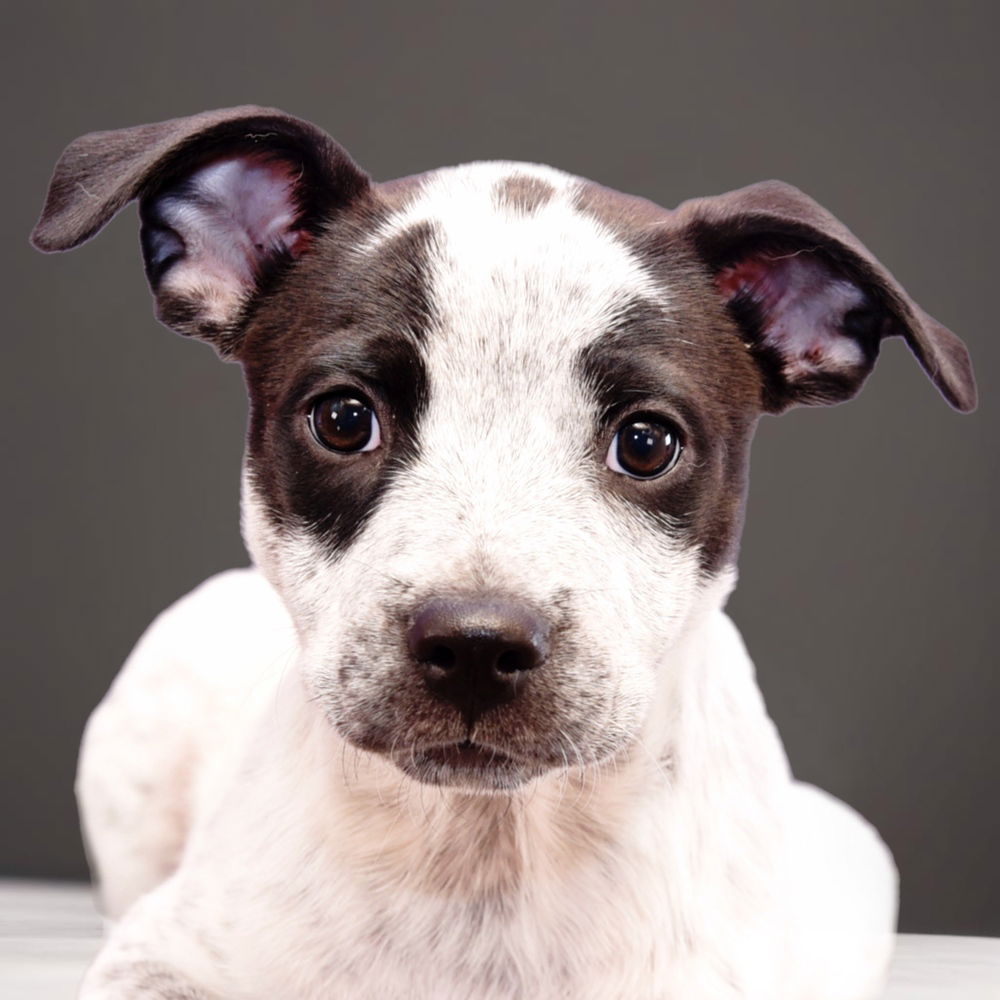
[(468, 756)]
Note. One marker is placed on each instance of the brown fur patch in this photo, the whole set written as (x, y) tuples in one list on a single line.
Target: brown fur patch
[(694, 359), (397, 195), (336, 320), (624, 214), (522, 193)]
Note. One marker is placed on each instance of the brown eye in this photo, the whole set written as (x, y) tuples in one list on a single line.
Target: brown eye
[(344, 422), (645, 447)]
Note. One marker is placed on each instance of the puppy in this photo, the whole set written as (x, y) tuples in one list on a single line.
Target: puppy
[(476, 725)]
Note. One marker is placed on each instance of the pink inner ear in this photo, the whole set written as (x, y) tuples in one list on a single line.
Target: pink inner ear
[(232, 215), (802, 303), (251, 199)]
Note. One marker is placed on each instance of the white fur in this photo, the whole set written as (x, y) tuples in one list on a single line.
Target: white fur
[(252, 850)]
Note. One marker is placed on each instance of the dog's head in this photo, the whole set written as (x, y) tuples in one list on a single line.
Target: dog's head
[(500, 416)]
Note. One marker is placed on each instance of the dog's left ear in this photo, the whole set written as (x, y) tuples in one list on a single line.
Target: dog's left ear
[(227, 199), (812, 302)]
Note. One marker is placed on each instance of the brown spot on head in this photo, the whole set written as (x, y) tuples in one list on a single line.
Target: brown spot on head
[(522, 193)]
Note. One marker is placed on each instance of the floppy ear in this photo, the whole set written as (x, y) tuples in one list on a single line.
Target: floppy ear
[(812, 302), (227, 198)]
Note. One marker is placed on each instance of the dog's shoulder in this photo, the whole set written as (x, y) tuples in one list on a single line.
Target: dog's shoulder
[(208, 659), (840, 884), (177, 712), (234, 615)]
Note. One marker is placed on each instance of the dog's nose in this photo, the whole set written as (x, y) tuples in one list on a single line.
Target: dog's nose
[(477, 652)]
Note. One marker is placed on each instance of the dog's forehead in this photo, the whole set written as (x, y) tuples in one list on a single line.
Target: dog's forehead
[(525, 254), (536, 275), (514, 207)]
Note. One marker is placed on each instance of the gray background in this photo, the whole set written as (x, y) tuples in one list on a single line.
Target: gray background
[(868, 592)]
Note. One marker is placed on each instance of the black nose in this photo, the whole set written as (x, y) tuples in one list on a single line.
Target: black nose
[(477, 652)]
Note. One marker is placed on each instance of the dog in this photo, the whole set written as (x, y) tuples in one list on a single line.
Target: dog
[(476, 725)]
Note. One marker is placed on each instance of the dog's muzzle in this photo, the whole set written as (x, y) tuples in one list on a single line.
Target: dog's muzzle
[(477, 653)]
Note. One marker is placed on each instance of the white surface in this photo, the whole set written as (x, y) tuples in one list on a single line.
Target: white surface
[(48, 933)]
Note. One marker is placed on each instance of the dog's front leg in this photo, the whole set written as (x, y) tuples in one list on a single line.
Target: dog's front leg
[(124, 978), (152, 954)]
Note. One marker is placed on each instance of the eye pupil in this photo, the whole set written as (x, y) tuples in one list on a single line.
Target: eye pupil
[(647, 448), (343, 423)]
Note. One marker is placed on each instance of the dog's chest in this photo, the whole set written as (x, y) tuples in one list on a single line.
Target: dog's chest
[(610, 927), (588, 939)]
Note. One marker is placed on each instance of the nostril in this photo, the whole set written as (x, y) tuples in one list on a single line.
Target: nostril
[(512, 661), (440, 656)]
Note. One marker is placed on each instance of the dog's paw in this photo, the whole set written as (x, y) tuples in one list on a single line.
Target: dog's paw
[(138, 980)]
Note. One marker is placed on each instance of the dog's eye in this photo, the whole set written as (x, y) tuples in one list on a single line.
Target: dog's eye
[(645, 447), (345, 422)]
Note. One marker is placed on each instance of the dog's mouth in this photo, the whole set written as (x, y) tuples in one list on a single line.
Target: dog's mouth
[(466, 763), (468, 755)]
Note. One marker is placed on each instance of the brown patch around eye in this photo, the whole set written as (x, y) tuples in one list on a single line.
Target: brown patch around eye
[(348, 318), (522, 193), (691, 365)]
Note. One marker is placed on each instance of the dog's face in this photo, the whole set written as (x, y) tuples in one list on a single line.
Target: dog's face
[(505, 351), (500, 416)]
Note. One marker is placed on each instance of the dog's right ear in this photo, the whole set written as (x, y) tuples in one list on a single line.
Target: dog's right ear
[(226, 198)]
